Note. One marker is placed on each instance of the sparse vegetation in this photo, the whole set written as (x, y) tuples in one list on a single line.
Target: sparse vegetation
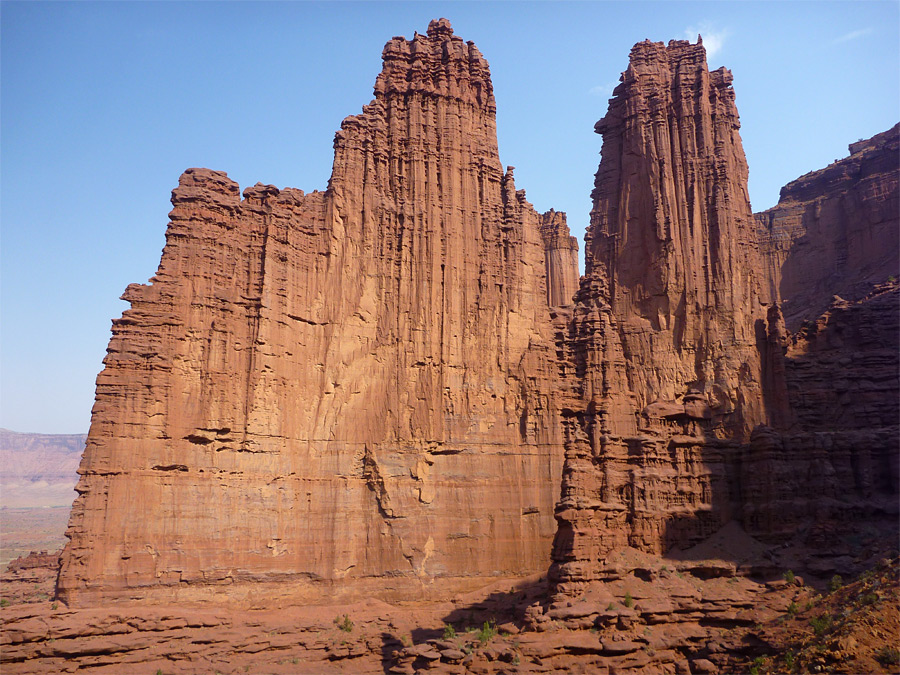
[(836, 582), (487, 632), (449, 632), (793, 609), (888, 656), (869, 598), (54, 605), (789, 660), (821, 624), (610, 607), (344, 623), (757, 663), (4, 602), (629, 601), (789, 576)]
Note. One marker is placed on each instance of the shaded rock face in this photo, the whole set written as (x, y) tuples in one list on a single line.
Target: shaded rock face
[(662, 341), (835, 230), (688, 403), (355, 386)]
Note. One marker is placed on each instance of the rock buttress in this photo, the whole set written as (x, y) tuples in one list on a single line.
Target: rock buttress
[(835, 231), (345, 392), (664, 334)]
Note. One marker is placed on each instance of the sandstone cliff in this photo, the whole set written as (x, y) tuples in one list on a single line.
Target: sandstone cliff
[(662, 338), (689, 403), (354, 386), (835, 231)]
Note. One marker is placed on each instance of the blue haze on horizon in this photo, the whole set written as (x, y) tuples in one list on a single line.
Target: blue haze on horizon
[(104, 104)]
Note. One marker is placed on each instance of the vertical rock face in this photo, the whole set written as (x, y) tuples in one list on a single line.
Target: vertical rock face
[(355, 386), (561, 253), (836, 230), (672, 229), (663, 335), (691, 403)]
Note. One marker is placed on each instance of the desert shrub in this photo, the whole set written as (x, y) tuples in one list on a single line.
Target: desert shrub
[(487, 632), (820, 624), (835, 583), (344, 623), (4, 602), (629, 601), (793, 609), (449, 632), (610, 607), (869, 598), (888, 656), (789, 576), (789, 661)]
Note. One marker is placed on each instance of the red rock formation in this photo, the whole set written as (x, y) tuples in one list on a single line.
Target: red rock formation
[(353, 386), (663, 335), (561, 254), (676, 358), (835, 231)]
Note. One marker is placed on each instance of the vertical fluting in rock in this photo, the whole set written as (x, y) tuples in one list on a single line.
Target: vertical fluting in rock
[(664, 330), (354, 386), (561, 253), (835, 231), (672, 227)]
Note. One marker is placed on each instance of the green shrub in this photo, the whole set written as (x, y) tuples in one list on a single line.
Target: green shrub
[(789, 661), (868, 598), (820, 624), (835, 583), (610, 607), (344, 623), (487, 632), (629, 601), (793, 609), (4, 602), (789, 576), (888, 656), (449, 632)]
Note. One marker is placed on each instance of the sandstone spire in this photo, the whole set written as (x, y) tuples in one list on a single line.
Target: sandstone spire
[(663, 334), (356, 385)]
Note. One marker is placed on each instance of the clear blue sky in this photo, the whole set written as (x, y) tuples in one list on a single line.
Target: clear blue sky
[(104, 105)]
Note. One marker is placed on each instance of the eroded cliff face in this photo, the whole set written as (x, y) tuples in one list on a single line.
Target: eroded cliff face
[(689, 402), (662, 340), (835, 231), (356, 386)]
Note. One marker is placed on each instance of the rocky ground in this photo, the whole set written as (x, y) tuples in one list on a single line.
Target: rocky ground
[(650, 615)]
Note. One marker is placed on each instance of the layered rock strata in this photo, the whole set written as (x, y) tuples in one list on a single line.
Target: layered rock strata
[(662, 340), (835, 231), (353, 386), (691, 404)]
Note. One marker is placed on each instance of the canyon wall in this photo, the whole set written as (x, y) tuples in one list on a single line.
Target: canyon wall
[(689, 404), (835, 231), (348, 392)]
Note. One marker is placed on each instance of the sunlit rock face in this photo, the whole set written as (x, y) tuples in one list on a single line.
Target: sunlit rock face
[(835, 231), (352, 391)]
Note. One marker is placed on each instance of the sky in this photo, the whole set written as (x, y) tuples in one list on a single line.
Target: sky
[(104, 104)]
